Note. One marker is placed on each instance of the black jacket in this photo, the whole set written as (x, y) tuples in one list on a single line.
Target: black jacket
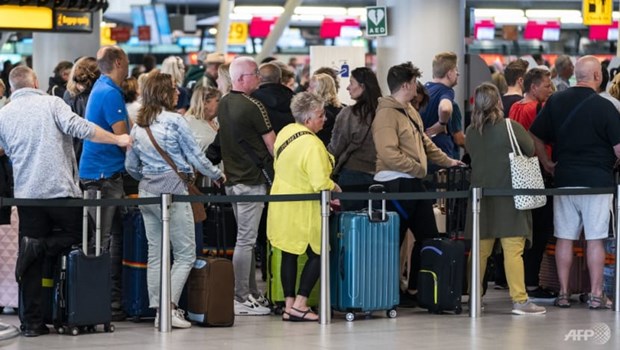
[(277, 100)]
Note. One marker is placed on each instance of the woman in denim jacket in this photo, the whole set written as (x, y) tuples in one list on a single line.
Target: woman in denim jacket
[(144, 163)]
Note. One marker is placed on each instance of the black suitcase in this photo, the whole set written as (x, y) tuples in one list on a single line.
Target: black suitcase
[(219, 230), (440, 278), (82, 288)]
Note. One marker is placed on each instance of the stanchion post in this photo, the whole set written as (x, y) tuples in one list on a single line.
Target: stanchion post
[(85, 225), (474, 293), (617, 275), (325, 304), (164, 287), (98, 226)]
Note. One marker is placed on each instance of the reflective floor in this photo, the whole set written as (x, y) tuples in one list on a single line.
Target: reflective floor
[(574, 328)]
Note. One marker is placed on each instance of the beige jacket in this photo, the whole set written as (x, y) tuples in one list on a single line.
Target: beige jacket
[(400, 146)]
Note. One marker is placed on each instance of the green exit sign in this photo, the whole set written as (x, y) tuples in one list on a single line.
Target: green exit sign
[(376, 21)]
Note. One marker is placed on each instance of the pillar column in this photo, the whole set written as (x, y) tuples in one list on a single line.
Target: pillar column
[(50, 48), (419, 29)]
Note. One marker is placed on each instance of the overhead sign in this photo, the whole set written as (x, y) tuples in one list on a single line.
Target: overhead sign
[(26, 17), (260, 27), (605, 33), (376, 22), (332, 27), (73, 21), (120, 34), (597, 12), (542, 30), (238, 33), (144, 33)]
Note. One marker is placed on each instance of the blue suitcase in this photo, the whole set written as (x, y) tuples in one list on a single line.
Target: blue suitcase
[(135, 258), (364, 261)]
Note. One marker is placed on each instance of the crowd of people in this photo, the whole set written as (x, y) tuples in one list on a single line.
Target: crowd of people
[(159, 124)]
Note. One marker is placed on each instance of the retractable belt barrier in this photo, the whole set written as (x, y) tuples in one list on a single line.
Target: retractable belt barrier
[(324, 197)]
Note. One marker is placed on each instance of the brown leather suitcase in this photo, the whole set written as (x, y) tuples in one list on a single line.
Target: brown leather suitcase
[(579, 282), (211, 292)]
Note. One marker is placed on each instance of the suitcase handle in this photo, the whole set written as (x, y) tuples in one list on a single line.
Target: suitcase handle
[(373, 215)]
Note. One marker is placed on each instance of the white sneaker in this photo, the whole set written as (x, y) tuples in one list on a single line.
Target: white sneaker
[(250, 308), (527, 308), (261, 300), (177, 318)]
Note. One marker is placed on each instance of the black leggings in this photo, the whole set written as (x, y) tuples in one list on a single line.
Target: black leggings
[(309, 275)]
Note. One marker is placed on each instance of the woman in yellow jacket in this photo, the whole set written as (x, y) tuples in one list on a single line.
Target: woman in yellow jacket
[(302, 165)]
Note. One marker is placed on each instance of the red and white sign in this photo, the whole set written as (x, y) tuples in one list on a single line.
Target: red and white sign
[(542, 30), (484, 29), (260, 27), (604, 32), (331, 27)]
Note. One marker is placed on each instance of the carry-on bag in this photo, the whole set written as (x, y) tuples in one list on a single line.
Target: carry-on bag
[(211, 292), (82, 297), (275, 293), (135, 257), (440, 279), (9, 246), (364, 261), (579, 278)]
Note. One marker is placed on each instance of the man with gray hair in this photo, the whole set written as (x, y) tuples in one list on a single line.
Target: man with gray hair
[(565, 69), (246, 138), (274, 96), (584, 130), (36, 132)]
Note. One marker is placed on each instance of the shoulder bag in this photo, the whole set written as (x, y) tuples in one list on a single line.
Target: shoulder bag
[(525, 174), (198, 208)]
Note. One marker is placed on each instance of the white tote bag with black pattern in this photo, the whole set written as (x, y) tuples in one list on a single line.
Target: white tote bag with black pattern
[(525, 174)]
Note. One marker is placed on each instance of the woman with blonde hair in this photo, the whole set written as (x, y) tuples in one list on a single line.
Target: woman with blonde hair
[(323, 85), (174, 66), (223, 81), (157, 125), (488, 144), (202, 115)]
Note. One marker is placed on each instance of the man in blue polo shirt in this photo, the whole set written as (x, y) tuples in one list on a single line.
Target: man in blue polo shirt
[(102, 166)]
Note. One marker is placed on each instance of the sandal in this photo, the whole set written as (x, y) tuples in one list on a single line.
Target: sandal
[(562, 301), (301, 318), (286, 319), (601, 302)]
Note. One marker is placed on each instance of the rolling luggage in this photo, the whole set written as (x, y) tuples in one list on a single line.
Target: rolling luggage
[(440, 279), (135, 258), (9, 246), (211, 292), (220, 230), (579, 278), (82, 287), (275, 293), (364, 261)]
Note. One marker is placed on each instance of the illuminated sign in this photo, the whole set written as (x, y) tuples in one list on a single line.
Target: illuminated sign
[(73, 21), (238, 33), (26, 17), (542, 30), (597, 12)]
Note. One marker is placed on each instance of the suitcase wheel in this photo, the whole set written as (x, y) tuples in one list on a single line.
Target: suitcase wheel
[(350, 316), (391, 313), (60, 330), (74, 331), (109, 328), (583, 297), (458, 310)]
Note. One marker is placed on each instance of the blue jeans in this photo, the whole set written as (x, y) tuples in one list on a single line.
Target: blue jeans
[(183, 247), (248, 216)]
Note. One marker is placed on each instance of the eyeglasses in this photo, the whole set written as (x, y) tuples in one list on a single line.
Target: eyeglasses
[(255, 73)]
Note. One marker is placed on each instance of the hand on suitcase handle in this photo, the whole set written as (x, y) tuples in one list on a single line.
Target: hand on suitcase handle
[(220, 182)]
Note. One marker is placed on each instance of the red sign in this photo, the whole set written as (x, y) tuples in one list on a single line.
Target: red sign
[(330, 28), (542, 30), (484, 29), (144, 33), (120, 34), (604, 32), (260, 27)]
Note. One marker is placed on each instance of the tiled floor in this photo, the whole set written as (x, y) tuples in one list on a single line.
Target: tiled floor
[(574, 328)]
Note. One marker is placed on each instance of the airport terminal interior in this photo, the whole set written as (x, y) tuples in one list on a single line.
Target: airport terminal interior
[(339, 34)]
